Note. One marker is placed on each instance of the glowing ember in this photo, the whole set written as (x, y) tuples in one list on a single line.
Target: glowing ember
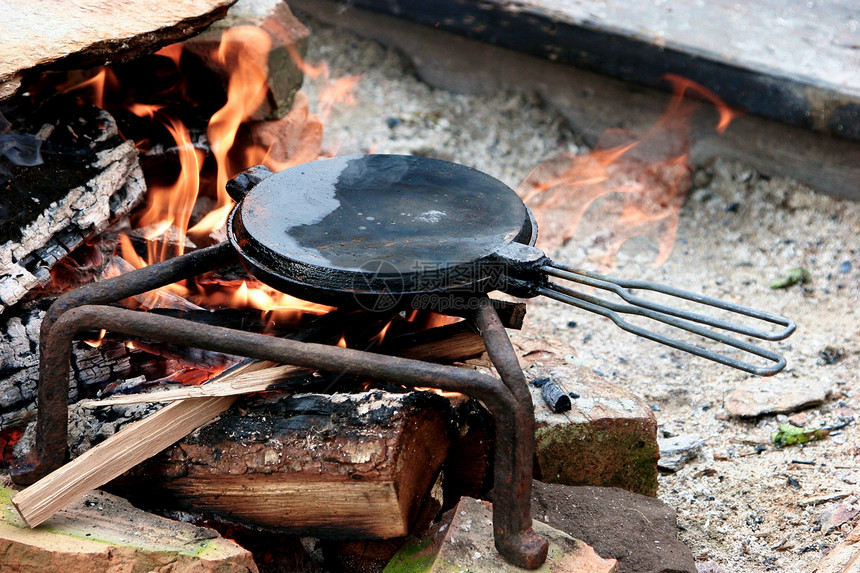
[(640, 180)]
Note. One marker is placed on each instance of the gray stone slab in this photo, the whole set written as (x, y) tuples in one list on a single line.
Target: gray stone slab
[(790, 61), (776, 396)]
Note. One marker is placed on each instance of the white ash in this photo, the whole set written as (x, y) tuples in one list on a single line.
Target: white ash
[(90, 426)]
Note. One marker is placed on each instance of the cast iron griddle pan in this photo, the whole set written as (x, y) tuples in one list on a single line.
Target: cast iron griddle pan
[(377, 231)]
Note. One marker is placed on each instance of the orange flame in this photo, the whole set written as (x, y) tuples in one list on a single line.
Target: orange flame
[(277, 306), (444, 393), (647, 176), (380, 336), (96, 84), (681, 85), (173, 51), (332, 92), (294, 139), (98, 341), (165, 222), (427, 320), (169, 208), (244, 50)]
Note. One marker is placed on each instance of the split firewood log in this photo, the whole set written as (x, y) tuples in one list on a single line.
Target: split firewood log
[(343, 465)]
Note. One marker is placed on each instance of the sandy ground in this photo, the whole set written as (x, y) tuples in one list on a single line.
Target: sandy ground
[(742, 503)]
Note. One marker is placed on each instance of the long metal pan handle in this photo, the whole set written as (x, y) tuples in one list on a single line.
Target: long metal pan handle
[(618, 287), (677, 318)]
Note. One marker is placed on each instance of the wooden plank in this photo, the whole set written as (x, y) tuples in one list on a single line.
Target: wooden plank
[(260, 379), (122, 451), (78, 35), (782, 60)]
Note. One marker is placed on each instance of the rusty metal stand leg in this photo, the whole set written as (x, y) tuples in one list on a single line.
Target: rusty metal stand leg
[(52, 399), (512, 520), (514, 537)]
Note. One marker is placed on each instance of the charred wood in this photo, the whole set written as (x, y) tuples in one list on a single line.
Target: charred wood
[(556, 398), (83, 178), (115, 365), (468, 469)]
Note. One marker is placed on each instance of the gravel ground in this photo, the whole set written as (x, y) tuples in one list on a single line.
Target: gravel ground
[(742, 503)]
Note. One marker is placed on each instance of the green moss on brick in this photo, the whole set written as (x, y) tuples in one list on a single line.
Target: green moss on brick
[(412, 558), (623, 455)]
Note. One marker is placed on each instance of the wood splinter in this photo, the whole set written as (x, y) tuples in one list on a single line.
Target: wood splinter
[(122, 451)]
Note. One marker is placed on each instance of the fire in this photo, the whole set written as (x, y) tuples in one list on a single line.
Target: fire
[(176, 216), (333, 92), (190, 210), (276, 306), (380, 336), (244, 50), (640, 180), (97, 342), (95, 85), (427, 320), (169, 208), (444, 393)]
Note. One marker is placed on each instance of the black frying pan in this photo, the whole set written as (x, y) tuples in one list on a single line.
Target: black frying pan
[(378, 231)]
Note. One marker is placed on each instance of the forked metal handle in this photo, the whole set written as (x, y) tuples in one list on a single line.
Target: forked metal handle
[(684, 320)]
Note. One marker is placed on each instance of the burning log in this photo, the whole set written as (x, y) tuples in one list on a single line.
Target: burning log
[(112, 365), (263, 378), (444, 344), (78, 178)]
